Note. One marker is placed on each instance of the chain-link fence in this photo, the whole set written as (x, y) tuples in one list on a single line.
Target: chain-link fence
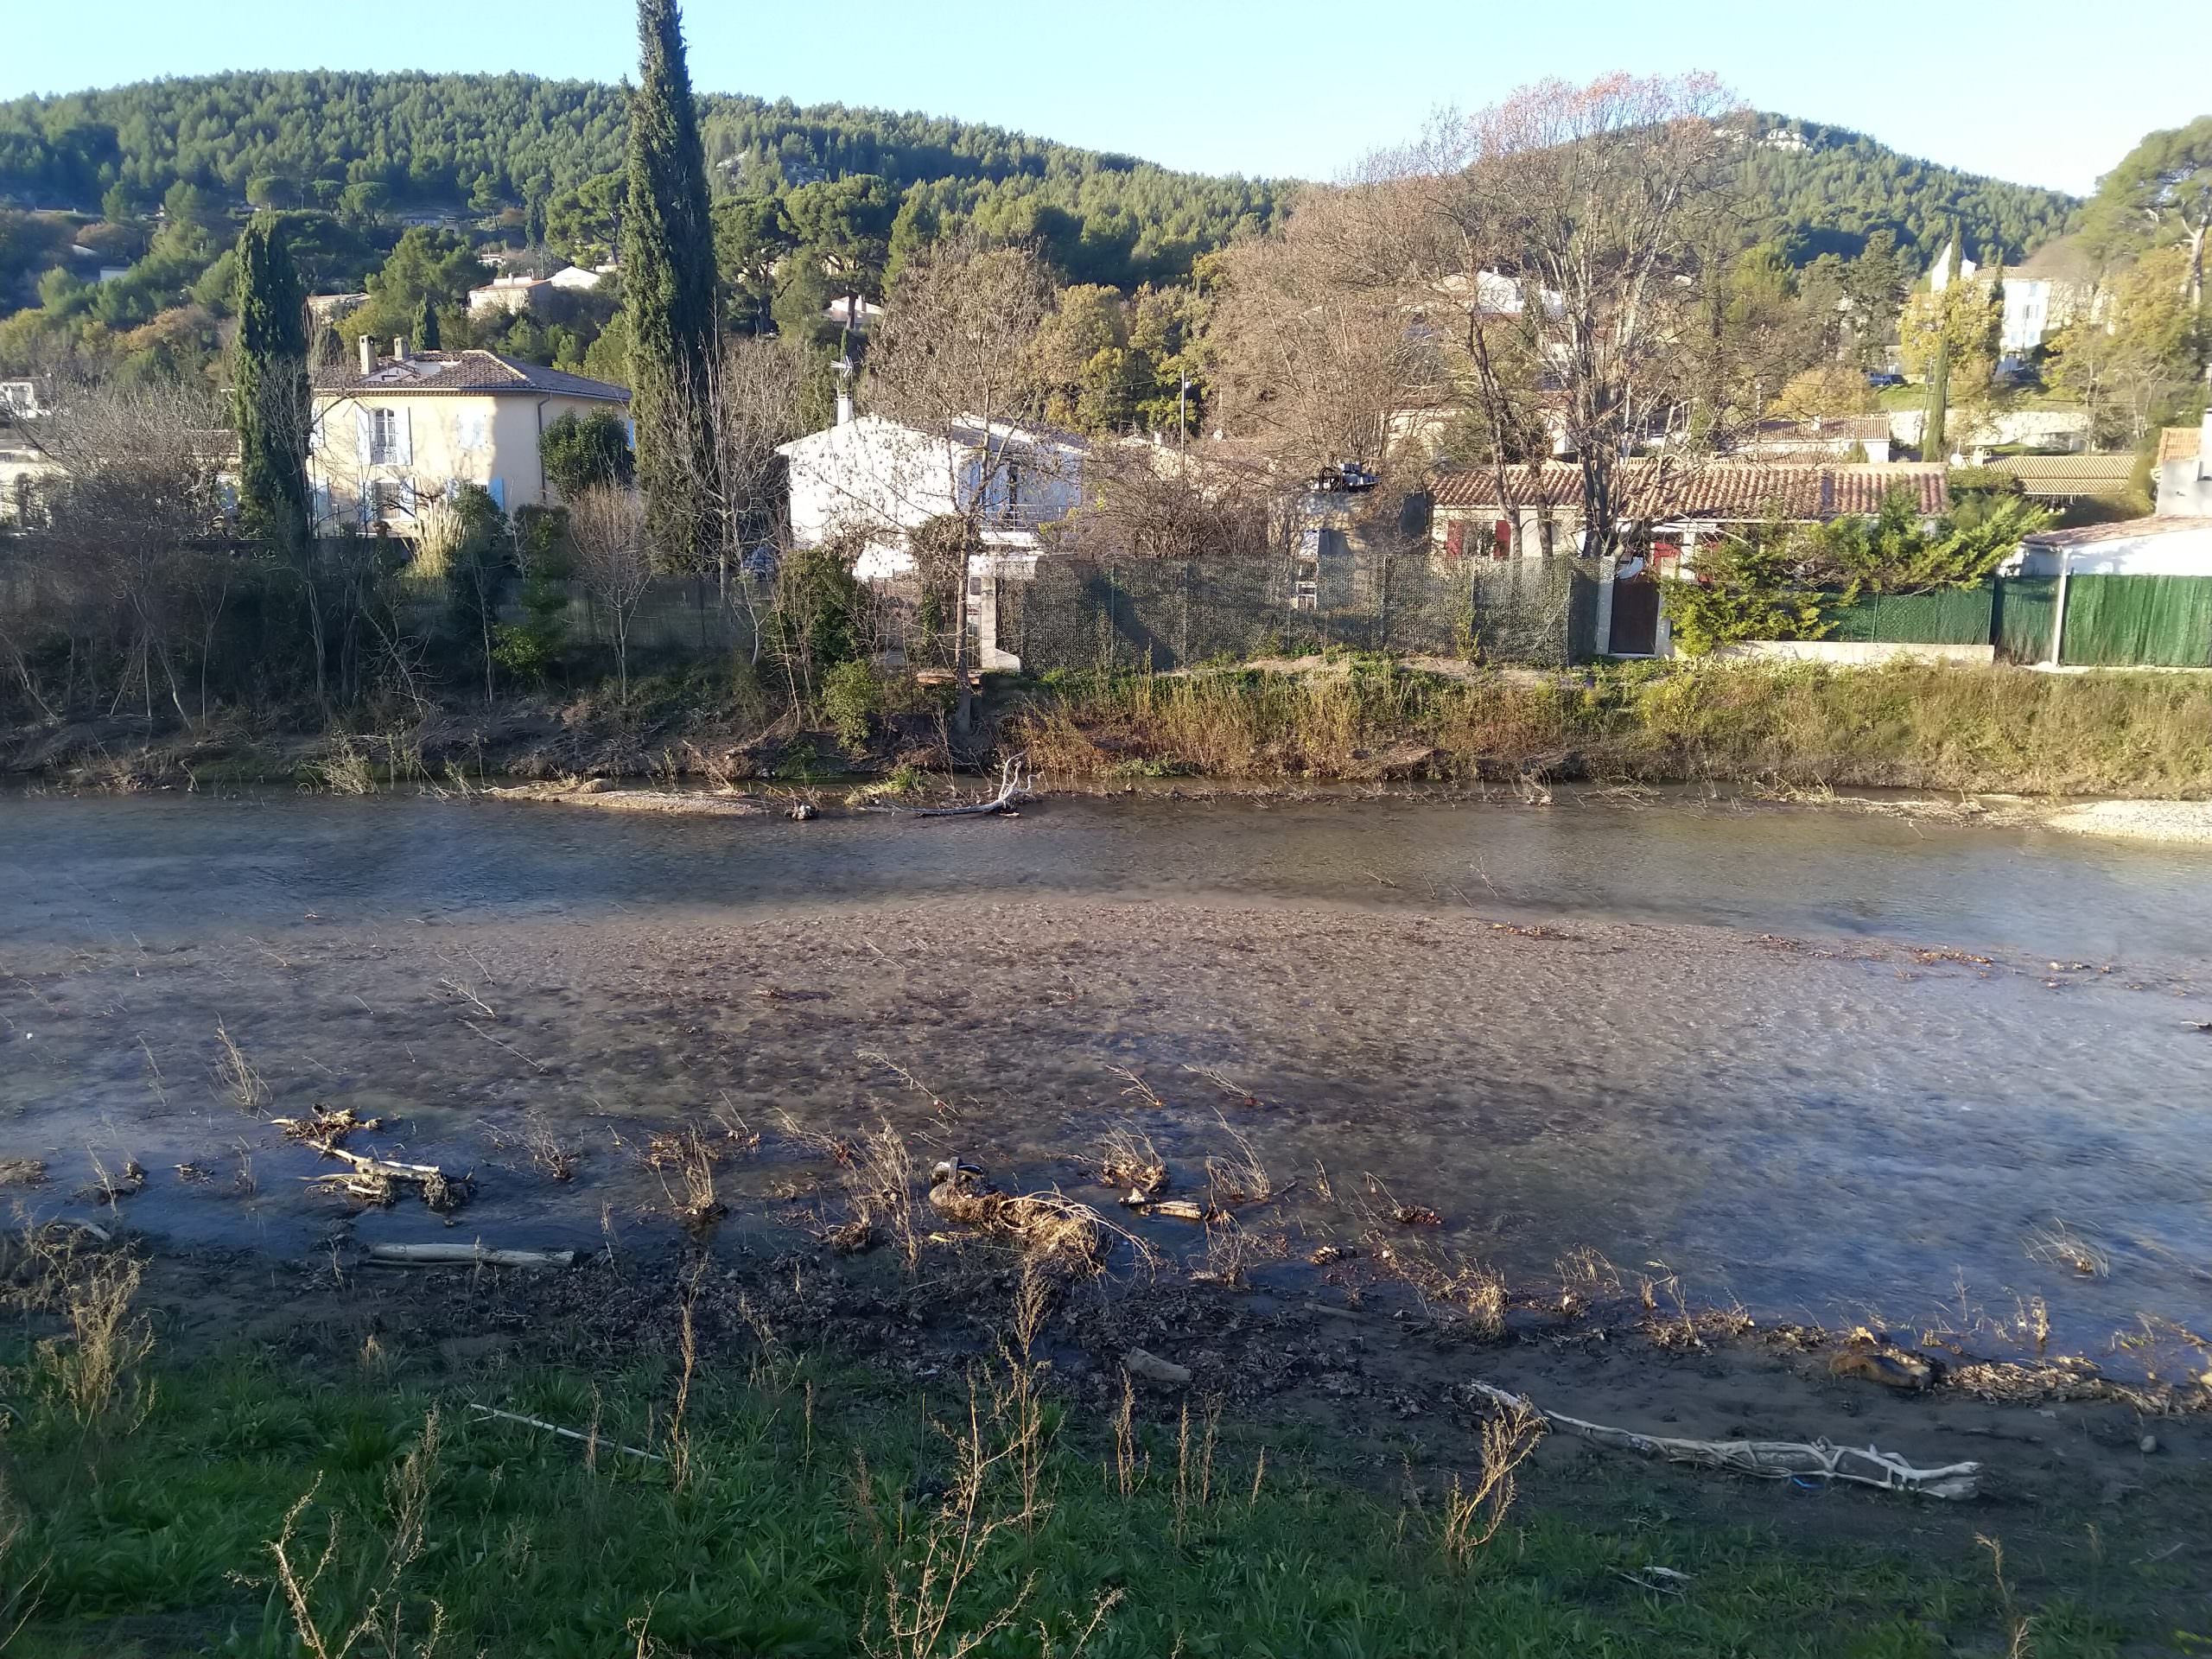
[(680, 619), (1169, 614)]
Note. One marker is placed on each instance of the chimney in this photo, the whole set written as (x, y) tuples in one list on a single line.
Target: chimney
[(399, 346), (368, 355)]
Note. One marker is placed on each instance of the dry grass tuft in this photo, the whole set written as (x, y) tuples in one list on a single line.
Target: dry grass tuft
[(92, 1370), (2059, 1245), (880, 1184), (21, 1172), (377, 1579), (685, 1157), (235, 1075), (108, 1186), (1241, 1178), (1128, 1162)]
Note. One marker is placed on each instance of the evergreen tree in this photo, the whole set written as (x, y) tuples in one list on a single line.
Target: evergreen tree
[(668, 285), (1932, 433), (426, 328), (268, 377)]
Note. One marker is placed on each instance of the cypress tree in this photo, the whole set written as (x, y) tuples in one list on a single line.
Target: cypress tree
[(268, 381), (1933, 436), (668, 287), (426, 328)]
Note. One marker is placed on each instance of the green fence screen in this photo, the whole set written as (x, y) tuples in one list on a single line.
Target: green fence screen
[(2024, 609), (2115, 621), (1949, 616)]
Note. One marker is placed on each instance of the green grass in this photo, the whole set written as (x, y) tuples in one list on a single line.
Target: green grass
[(811, 1492)]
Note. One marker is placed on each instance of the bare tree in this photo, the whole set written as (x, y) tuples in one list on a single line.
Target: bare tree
[(136, 520), (606, 523), (1315, 341), (1156, 501), (954, 361), (1601, 202), (753, 397)]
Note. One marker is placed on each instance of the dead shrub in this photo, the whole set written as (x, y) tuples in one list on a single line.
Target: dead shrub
[(381, 1626), (1474, 1516), (550, 1155)]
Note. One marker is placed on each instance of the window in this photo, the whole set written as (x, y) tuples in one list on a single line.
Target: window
[(384, 436)]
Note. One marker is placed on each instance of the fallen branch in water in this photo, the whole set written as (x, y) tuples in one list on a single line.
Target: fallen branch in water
[(445, 1255), (1015, 786), (1768, 1460), (375, 1179)]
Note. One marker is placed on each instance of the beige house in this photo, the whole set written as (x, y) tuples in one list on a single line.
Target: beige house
[(391, 432)]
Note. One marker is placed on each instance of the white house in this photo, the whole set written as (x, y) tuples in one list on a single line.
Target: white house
[(2133, 547), (511, 295), (884, 480), (576, 277), (2185, 471)]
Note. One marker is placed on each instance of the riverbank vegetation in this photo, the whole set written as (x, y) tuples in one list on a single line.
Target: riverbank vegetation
[(1921, 726), (732, 1494)]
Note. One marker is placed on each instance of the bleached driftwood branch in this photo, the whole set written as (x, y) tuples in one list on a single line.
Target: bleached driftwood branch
[(1016, 784), (566, 1433), (467, 1255), (1768, 1460)]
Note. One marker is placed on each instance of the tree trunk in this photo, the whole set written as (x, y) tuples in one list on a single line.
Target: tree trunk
[(963, 715)]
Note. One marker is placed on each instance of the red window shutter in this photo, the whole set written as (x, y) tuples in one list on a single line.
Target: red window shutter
[(1455, 537), (1503, 536)]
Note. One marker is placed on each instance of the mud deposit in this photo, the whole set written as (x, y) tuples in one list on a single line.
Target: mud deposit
[(1833, 1070)]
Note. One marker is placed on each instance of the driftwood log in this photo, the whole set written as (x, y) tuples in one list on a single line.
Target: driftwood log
[(467, 1255), (1768, 1460)]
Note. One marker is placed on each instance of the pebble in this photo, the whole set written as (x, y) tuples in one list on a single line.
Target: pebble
[(2149, 1443)]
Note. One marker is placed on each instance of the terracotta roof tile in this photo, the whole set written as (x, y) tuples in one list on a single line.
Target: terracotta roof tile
[(472, 372), (2180, 443), (1734, 490)]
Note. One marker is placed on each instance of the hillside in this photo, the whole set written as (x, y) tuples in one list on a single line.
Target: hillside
[(1818, 189), (425, 141), (431, 141)]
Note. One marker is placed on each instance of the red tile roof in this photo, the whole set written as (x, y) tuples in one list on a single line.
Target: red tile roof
[(1733, 490), (2180, 443), (472, 371)]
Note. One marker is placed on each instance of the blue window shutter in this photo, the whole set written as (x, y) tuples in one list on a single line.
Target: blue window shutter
[(499, 489)]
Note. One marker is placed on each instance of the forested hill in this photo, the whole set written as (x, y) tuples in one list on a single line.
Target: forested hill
[(423, 141), (1826, 189), (420, 141)]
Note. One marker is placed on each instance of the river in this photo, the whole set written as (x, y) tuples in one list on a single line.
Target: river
[(1832, 1066)]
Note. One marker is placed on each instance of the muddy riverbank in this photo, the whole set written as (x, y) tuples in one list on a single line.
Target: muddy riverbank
[(1640, 1106), (1839, 1071)]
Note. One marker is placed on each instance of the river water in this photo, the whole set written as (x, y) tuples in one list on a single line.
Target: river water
[(1830, 1065)]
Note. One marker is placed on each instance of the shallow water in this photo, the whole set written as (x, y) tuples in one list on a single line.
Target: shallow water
[(1751, 1046)]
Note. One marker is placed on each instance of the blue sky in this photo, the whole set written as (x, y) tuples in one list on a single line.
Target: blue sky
[(2043, 93)]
